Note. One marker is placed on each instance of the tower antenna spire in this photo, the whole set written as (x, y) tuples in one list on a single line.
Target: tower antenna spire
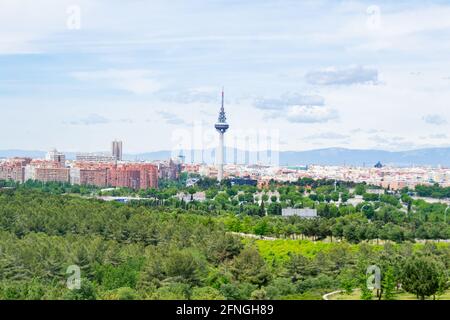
[(223, 99), (222, 116)]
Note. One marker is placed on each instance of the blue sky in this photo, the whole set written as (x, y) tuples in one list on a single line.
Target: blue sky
[(352, 74)]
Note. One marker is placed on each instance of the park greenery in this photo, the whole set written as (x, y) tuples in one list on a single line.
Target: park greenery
[(163, 247), (393, 216)]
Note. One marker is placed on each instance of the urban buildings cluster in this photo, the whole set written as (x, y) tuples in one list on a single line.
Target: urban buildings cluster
[(394, 178), (109, 169), (99, 170)]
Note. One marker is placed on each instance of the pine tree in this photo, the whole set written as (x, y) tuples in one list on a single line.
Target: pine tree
[(366, 293), (262, 210), (389, 284)]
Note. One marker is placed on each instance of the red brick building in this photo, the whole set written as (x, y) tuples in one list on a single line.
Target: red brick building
[(90, 174), (129, 175), (14, 169), (134, 176), (46, 171)]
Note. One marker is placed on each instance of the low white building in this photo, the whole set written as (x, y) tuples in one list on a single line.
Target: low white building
[(356, 200), (95, 157), (303, 213), (198, 196)]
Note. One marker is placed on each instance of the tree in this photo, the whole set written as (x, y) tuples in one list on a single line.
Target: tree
[(236, 291), (154, 250), (348, 282), (299, 267), (171, 291), (126, 294), (259, 294), (122, 276), (261, 228), (181, 266), (345, 197), (232, 192), (206, 293), (262, 210), (366, 293), (221, 247), (280, 287), (211, 193), (422, 276), (388, 284), (250, 267), (360, 189), (86, 292), (274, 209), (222, 199)]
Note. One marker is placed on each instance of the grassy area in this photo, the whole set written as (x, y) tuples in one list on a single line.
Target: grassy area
[(400, 296), (278, 250)]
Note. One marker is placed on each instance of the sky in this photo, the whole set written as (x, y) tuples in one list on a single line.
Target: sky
[(75, 75)]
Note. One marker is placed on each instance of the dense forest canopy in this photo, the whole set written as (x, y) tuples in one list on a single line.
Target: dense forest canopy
[(146, 251), (247, 209)]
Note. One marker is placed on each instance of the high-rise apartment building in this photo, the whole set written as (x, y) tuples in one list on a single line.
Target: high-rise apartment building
[(57, 157), (117, 150)]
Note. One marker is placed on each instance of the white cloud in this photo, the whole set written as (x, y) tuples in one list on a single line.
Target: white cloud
[(198, 94), (437, 136), (32, 26), (435, 119), (171, 118), (311, 114), (287, 100), (343, 76), (175, 56), (401, 29), (328, 136), (91, 119), (137, 81)]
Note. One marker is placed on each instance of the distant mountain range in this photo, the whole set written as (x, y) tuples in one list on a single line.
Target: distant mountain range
[(339, 156), (331, 156)]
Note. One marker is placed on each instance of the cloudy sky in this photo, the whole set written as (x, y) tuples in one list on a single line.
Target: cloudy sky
[(77, 74)]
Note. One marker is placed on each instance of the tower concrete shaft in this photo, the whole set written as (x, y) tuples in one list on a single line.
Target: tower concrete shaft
[(220, 157)]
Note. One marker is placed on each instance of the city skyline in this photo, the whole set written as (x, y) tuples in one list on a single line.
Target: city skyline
[(225, 150), (361, 80)]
